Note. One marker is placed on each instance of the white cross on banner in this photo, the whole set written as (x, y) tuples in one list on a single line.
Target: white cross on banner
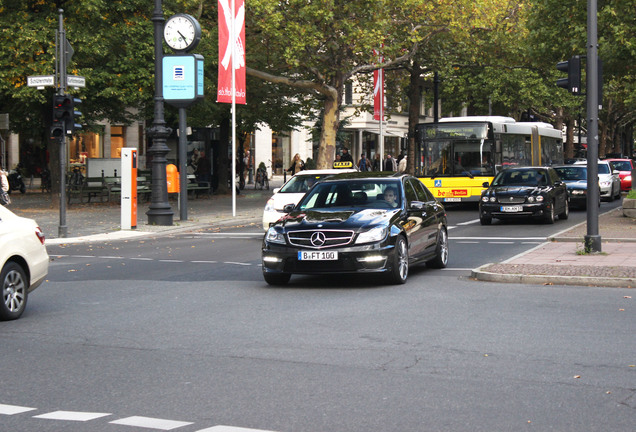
[(231, 51)]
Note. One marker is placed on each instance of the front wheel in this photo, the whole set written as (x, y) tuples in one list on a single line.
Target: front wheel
[(14, 291), (550, 216), (484, 219), (441, 251), (400, 265), (566, 211)]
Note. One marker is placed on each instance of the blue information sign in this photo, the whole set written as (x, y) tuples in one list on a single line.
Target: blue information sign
[(182, 79)]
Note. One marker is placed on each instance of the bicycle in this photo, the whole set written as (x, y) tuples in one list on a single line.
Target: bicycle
[(261, 181)]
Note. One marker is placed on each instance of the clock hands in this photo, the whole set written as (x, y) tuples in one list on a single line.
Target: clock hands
[(182, 36)]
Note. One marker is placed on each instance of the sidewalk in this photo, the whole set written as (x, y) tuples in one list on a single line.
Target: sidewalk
[(563, 261), (560, 261), (99, 221)]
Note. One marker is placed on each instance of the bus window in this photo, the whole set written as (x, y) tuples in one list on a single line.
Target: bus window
[(437, 158)]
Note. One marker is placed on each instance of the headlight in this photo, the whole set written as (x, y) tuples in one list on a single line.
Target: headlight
[(273, 236), (373, 235), (605, 183), (628, 178), (270, 205), (539, 198), (530, 199), (484, 199), (493, 199)]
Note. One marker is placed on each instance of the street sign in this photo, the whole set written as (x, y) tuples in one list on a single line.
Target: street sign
[(75, 81), (40, 81)]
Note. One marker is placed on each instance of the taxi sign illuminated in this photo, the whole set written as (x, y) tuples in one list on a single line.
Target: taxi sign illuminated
[(345, 164)]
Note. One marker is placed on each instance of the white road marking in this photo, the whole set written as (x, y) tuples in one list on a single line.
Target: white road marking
[(72, 415), (204, 262), (171, 261), (14, 409), (150, 423), (237, 263), (469, 222), (222, 428), (541, 239)]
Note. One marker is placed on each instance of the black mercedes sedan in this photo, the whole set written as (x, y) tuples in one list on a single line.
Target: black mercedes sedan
[(528, 192), (358, 223)]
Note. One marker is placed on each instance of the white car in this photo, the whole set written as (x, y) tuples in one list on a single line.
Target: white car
[(609, 180), (24, 261), (293, 190)]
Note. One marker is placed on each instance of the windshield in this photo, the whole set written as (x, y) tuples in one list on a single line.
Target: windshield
[(603, 168), (364, 193), (301, 183), (572, 173), (622, 165), (528, 177)]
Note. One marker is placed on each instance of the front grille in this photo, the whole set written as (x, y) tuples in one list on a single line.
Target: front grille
[(318, 239), (511, 200)]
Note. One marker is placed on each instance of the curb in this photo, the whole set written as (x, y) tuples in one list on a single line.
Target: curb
[(481, 275)]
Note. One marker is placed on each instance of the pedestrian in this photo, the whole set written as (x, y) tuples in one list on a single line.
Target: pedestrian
[(377, 163), (297, 165), (402, 165), (364, 164), (346, 156), (389, 163), (4, 188)]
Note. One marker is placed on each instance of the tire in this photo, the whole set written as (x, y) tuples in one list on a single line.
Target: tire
[(566, 211), (618, 193), (441, 251), (485, 220), (15, 291), (400, 262), (23, 188), (276, 279), (549, 218)]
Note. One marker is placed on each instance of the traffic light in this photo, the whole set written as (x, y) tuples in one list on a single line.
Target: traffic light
[(74, 123), (573, 69), (61, 115)]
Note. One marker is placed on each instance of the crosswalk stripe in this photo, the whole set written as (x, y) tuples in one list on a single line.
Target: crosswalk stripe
[(14, 409), (150, 423), (222, 428), (72, 415)]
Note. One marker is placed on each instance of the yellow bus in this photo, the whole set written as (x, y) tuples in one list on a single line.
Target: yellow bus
[(455, 156)]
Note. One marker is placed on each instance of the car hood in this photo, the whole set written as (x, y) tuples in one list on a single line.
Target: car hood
[(518, 190), (337, 219), (576, 184), (282, 199)]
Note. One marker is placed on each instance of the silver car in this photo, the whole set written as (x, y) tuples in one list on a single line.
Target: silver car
[(609, 180)]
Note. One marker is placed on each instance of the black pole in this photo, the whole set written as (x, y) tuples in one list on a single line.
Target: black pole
[(183, 164), (592, 239), (159, 212), (62, 230)]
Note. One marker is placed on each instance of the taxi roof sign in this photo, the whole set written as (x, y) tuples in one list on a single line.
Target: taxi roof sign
[(345, 164)]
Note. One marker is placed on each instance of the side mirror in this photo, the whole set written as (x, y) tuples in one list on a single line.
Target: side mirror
[(416, 205), (289, 207), (485, 184)]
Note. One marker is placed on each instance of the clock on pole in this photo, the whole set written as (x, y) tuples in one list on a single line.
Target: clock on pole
[(182, 32)]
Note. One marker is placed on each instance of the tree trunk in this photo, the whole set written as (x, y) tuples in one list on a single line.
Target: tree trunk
[(330, 122), (415, 101)]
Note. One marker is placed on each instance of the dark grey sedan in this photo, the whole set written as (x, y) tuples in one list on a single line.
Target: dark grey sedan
[(525, 192)]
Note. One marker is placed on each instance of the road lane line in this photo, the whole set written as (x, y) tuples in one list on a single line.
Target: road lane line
[(14, 409), (72, 415), (150, 423)]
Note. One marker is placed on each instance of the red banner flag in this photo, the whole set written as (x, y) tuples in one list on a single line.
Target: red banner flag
[(378, 94), (231, 51)]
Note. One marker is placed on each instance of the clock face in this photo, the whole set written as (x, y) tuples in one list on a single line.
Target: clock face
[(182, 32)]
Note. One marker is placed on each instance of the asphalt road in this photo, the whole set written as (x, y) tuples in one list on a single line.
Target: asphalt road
[(181, 333)]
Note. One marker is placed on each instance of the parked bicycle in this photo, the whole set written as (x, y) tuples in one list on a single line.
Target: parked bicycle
[(260, 180)]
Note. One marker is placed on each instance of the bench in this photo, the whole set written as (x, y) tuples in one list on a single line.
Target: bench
[(196, 186), (113, 185), (88, 187)]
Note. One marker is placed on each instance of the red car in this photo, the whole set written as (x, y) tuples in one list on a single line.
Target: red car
[(624, 168)]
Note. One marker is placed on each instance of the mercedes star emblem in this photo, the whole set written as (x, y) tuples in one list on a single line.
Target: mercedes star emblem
[(318, 239)]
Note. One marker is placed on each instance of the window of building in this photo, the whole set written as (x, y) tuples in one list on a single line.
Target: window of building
[(117, 141)]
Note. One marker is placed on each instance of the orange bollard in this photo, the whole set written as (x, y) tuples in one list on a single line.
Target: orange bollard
[(172, 176)]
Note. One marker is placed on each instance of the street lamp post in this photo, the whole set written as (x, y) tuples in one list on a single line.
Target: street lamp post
[(159, 212)]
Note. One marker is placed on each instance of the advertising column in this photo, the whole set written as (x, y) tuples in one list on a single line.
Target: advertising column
[(128, 188)]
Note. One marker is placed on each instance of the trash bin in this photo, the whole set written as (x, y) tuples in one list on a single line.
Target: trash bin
[(172, 176)]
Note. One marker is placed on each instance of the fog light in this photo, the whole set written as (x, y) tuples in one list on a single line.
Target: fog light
[(372, 258), (272, 259)]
